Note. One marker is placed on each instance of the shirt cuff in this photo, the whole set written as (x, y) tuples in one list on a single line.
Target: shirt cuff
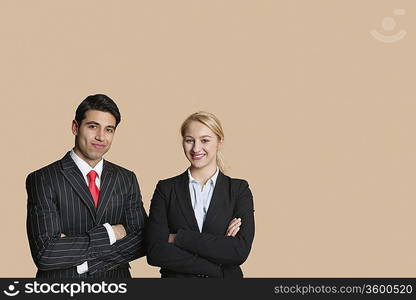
[(110, 232), (81, 269)]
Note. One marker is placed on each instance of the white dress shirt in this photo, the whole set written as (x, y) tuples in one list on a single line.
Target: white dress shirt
[(85, 168), (201, 197)]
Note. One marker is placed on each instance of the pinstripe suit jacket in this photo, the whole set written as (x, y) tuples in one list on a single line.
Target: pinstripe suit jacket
[(59, 201)]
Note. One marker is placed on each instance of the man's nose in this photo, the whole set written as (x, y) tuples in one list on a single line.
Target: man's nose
[(100, 135)]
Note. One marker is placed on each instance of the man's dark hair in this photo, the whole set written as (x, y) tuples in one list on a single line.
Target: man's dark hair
[(97, 102)]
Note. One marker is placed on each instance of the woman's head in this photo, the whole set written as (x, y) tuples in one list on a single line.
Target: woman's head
[(202, 138)]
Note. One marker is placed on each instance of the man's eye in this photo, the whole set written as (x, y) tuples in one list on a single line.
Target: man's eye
[(110, 130), (92, 126)]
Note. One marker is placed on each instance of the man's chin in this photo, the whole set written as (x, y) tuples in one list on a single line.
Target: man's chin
[(96, 156), (98, 153)]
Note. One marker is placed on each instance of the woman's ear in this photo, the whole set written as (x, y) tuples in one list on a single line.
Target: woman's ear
[(220, 142)]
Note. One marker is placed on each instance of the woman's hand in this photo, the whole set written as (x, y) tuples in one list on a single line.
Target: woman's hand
[(171, 238), (233, 227)]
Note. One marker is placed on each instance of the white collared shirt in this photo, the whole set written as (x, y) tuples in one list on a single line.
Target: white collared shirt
[(85, 168), (201, 196)]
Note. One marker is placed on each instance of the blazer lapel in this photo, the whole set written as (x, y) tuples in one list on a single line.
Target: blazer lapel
[(107, 184), (220, 196), (184, 200), (74, 176)]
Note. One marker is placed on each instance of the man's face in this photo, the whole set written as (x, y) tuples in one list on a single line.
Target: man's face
[(94, 135)]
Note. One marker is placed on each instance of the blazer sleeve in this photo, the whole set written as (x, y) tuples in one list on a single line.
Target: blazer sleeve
[(132, 246), (225, 250), (49, 250), (167, 255)]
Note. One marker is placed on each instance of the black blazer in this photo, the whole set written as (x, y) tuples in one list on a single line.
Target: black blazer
[(195, 254), (59, 201)]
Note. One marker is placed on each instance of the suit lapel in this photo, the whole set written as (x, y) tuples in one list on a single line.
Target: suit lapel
[(184, 199), (74, 176), (220, 196), (108, 180)]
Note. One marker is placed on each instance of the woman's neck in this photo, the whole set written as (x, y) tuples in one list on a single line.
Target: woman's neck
[(202, 175)]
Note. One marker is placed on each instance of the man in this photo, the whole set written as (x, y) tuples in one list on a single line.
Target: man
[(85, 216)]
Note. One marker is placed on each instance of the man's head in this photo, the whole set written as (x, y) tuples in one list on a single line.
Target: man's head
[(96, 119)]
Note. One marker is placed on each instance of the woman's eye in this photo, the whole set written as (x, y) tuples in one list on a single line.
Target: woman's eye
[(205, 141)]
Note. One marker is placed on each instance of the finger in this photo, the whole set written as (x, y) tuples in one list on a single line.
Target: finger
[(233, 227), (234, 222), (237, 221), (230, 230), (233, 230), (234, 233)]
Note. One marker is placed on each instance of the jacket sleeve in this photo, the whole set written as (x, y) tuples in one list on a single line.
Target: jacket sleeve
[(224, 250), (49, 250), (166, 255), (132, 246)]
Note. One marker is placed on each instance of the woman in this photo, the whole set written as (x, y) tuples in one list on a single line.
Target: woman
[(201, 222)]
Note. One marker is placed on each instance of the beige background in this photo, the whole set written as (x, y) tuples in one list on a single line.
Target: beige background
[(319, 116)]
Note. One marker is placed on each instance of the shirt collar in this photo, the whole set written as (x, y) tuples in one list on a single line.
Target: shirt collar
[(213, 178), (84, 167)]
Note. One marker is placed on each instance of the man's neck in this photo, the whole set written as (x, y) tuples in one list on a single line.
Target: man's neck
[(91, 163)]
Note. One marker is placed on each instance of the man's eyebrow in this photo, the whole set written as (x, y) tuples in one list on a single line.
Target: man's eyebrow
[(92, 122), (96, 123)]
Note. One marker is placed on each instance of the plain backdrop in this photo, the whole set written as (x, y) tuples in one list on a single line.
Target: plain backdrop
[(319, 116)]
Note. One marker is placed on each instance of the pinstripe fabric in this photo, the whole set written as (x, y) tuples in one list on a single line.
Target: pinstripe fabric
[(59, 201)]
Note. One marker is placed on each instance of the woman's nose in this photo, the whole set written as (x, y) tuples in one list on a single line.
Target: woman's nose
[(197, 147)]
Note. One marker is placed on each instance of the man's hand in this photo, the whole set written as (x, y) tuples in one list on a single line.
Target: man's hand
[(119, 231), (171, 238), (233, 227)]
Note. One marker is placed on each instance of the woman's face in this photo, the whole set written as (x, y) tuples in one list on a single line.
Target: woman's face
[(200, 145)]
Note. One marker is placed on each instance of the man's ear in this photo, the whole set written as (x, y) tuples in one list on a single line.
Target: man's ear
[(75, 127)]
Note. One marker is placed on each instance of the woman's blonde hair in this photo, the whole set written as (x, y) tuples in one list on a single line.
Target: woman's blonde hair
[(212, 122)]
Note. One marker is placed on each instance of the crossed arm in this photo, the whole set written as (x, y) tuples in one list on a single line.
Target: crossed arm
[(232, 230), (200, 253), (54, 249)]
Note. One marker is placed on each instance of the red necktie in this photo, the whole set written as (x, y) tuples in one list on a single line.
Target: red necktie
[(93, 187)]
